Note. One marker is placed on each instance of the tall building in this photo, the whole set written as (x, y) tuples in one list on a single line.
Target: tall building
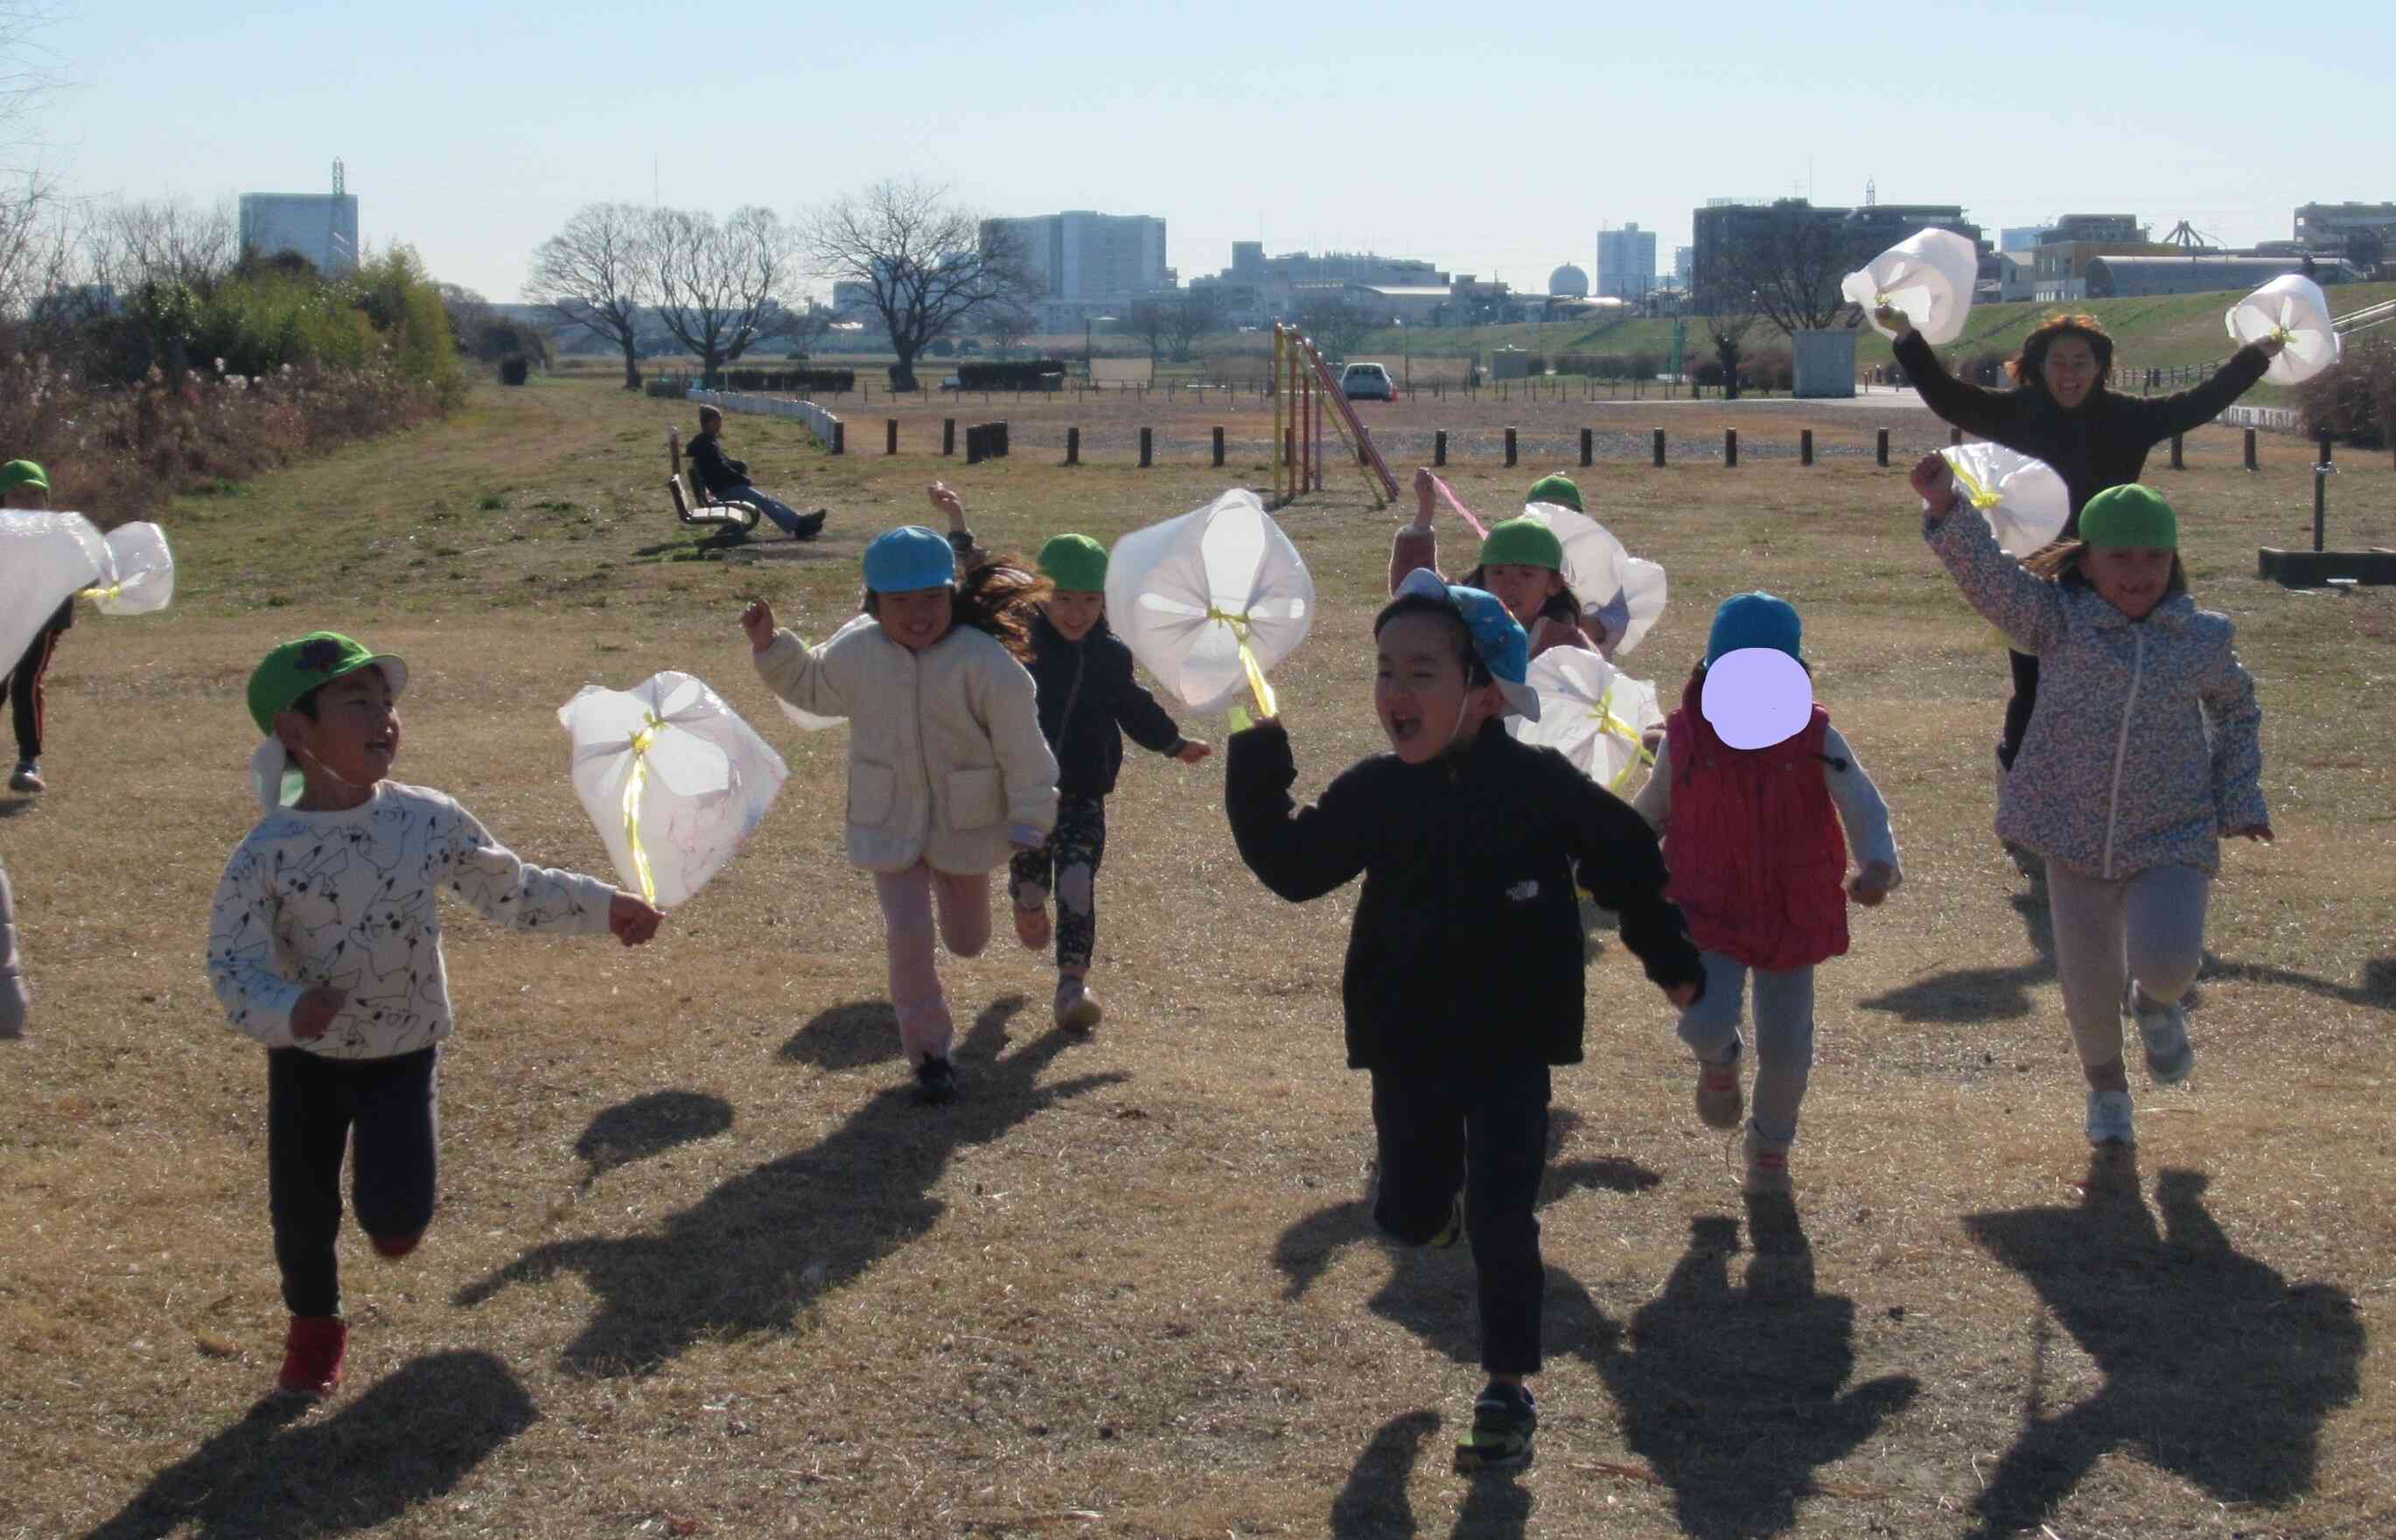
[(2326, 226), (1684, 260), (1625, 262), (2095, 227), (1726, 225), (1081, 256), (2021, 237), (321, 227)]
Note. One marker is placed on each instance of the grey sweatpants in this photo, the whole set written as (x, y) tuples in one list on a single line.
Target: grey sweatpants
[(2149, 926), (1784, 1036)]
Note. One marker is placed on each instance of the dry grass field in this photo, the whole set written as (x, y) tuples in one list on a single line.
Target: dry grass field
[(702, 1268)]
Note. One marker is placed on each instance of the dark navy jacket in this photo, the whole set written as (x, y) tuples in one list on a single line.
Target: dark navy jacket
[(1089, 700)]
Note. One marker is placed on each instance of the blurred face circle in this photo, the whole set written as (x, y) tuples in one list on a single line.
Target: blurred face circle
[(1757, 697), (1419, 691), (2131, 579), (1522, 589), (1074, 613), (915, 617), (2070, 370)]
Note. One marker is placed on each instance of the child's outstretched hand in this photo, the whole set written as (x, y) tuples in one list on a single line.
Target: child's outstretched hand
[(1871, 884), (1894, 319), (1681, 995), (1934, 479), (1425, 489), (1191, 751), (631, 920), (315, 1011), (948, 502), (2254, 831), (758, 621)]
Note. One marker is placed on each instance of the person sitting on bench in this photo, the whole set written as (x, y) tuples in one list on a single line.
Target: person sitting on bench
[(727, 480)]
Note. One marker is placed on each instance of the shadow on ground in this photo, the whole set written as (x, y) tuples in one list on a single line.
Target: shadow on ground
[(649, 1126), (2216, 1369), (846, 1037), (406, 1441), (753, 1255)]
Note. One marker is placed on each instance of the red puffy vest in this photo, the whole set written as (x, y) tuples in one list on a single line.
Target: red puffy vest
[(1759, 862)]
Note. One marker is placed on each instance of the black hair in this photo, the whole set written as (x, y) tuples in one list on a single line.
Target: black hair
[(307, 706), (1476, 672), (2061, 562), (2029, 366), (999, 596), (1562, 604)]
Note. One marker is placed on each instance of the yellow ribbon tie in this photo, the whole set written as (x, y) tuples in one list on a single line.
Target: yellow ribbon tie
[(1982, 498), (101, 595), (1257, 685), (633, 787), (1609, 722)]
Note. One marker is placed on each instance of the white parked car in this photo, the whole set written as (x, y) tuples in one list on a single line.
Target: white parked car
[(1367, 382)]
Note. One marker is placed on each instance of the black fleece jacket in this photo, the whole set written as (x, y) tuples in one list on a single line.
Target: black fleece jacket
[(1467, 947), (718, 473), (2102, 442), (1088, 700)]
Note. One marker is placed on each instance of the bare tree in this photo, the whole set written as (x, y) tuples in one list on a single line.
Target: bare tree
[(715, 283), (1337, 326), (1150, 319), (926, 266), (595, 275), (1792, 263), (1007, 322), (165, 241), (1197, 314)]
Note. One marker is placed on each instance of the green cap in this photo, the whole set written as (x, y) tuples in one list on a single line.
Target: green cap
[(1556, 489), (1076, 563), (1523, 542), (317, 659), (2131, 515), (17, 473)]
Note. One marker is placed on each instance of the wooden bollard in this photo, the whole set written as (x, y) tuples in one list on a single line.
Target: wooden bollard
[(1219, 446), (1659, 449), (2250, 449), (2178, 463), (839, 437), (1510, 446), (1072, 446), (1883, 447), (890, 436), (1806, 446), (1730, 448), (976, 443), (1588, 448), (1439, 446), (1147, 449), (948, 435)]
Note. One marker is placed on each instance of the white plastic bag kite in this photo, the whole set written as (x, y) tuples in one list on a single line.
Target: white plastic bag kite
[(1211, 601), (1622, 592), (2024, 501), (1591, 713), (674, 779), (46, 558), (2294, 309), (808, 720), (141, 575), (1929, 276)]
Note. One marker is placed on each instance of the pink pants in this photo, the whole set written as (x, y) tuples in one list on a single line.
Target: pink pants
[(924, 1027)]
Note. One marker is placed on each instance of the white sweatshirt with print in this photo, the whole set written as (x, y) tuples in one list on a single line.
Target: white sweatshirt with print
[(348, 899)]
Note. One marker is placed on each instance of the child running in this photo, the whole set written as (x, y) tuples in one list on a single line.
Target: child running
[(947, 769), (1754, 839), (1089, 700), (1522, 562), (2144, 752), (1464, 976), (324, 945)]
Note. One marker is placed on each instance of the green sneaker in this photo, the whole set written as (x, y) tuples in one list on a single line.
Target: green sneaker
[(1504, 1419)]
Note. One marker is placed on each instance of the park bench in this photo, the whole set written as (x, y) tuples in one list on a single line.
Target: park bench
[(691, 504)]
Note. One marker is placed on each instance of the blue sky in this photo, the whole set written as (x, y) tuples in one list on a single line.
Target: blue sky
[(1496, 145)]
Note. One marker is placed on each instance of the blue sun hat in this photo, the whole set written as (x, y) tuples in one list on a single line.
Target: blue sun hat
[(907, 558), (1498, 637)]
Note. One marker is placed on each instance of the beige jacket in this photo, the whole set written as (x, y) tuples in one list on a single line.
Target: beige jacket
[(945, 753)]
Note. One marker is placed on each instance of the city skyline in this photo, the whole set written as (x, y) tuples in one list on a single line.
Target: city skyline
[(1461, 172)]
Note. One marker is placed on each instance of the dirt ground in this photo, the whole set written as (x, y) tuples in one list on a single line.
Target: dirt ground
[(702, 1268)]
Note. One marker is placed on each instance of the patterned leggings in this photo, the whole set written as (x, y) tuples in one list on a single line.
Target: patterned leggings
[(1071, 857)]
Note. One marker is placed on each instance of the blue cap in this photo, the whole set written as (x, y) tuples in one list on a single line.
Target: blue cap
[(909, 557), (1498, 637), (1756, 619)]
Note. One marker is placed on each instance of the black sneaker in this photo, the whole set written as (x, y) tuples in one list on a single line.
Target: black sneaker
[(936, 1080), (809, 524), (1504, 1418)]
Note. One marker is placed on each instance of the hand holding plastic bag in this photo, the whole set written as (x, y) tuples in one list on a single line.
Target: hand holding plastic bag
[(1929, 276), (674, 779), (2024, 500), (46, 557), (141, 575), (2293, 309), (1591, 713), (1211, 601)]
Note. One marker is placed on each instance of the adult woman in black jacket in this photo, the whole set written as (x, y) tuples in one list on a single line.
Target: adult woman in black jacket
[(2060, 411)]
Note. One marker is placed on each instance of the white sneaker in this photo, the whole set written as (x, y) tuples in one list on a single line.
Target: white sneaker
[(2164, 1030), (1077, 1008), (1767, 1165), (2109, 1118)]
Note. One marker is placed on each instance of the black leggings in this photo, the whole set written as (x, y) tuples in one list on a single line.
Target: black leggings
[(2017, 709), (312, 1103)]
